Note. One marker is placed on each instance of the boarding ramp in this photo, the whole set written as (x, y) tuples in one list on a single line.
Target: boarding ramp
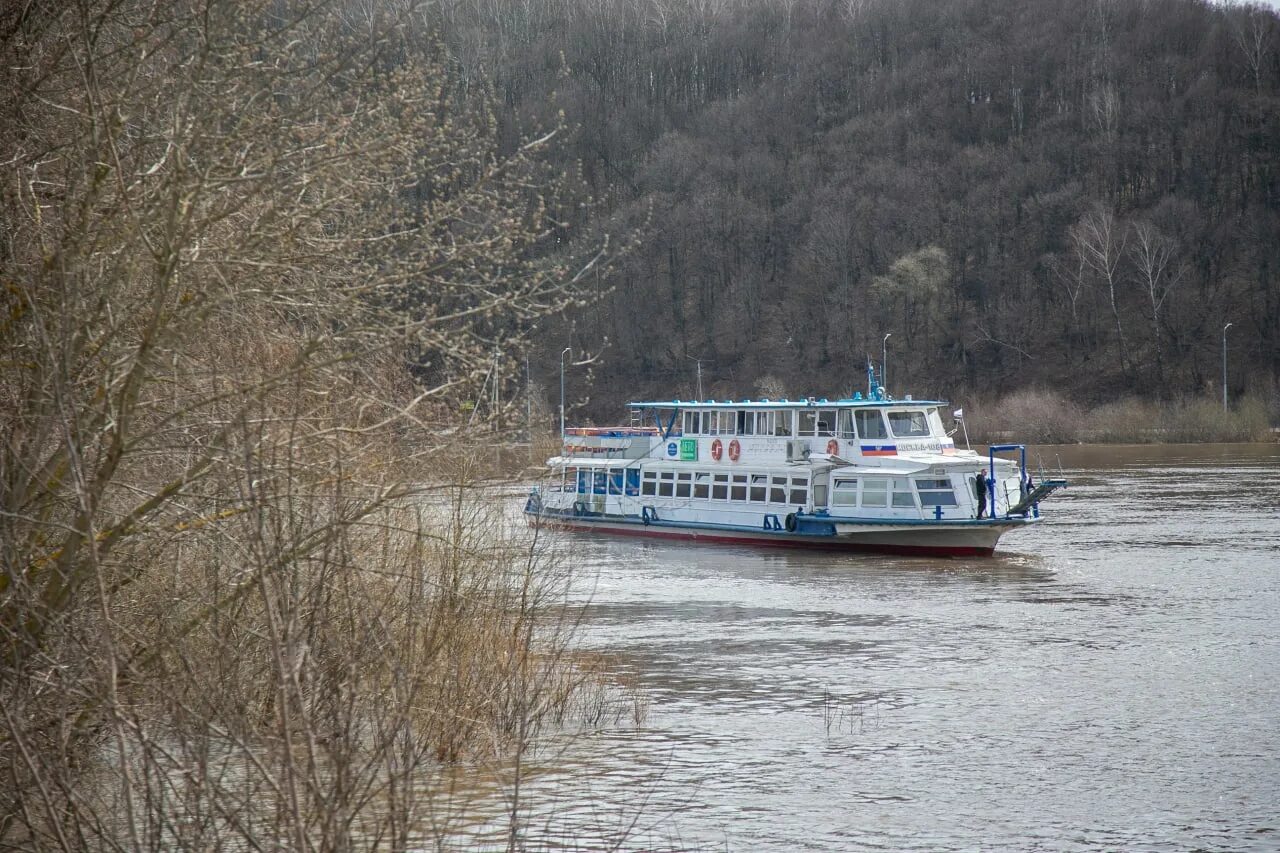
[(1036, 495)]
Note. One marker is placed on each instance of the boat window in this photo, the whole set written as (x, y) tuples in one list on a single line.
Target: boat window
[(739, 489), (846, 423), (782, 422), (908, 424), (720, 487), (764, 423), (844, 492), (665, 485), (875, 492), (650, 484), (633, 481), (615, 481), (870, 424), (903, 497), (935, 423), (778, 493), (601, 484), (826, 422), (759, 483), (728, 422), (808, 422), (799, 490), (819, 494), (936, 493), (702, 486), (692, 423), (682, 483), (584, 481)]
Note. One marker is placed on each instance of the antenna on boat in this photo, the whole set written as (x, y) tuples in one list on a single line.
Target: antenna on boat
[(699, 360), (958, 414)]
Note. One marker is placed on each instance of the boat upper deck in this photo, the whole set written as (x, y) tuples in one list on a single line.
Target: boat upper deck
[(809, 402)]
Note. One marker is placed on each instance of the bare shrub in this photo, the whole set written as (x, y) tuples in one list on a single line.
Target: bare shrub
[(1202, 419), (1045, 417), (1131, 420), (1032, 415), (230, 613)]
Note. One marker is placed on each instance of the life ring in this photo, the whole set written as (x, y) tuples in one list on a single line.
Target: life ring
[(833, 448), (717, 450), (735, 450), (790, 522)]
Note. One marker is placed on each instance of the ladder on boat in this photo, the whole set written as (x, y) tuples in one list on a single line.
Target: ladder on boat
[(1036, 495)]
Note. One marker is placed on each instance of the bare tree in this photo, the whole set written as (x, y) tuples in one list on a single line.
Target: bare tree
[(227, 227), (1252, 29), (1099, 243), (1153, 256)]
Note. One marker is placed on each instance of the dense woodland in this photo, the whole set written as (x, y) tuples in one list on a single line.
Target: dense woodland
[(1076, 194)]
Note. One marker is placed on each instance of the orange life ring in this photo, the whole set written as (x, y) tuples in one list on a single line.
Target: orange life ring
[(717, 449), (735, 450), (833, 448)]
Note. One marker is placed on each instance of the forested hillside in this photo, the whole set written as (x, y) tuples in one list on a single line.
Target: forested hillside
[(1066, 193)]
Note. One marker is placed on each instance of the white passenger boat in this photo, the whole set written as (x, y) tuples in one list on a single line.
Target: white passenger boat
[(866, 473)]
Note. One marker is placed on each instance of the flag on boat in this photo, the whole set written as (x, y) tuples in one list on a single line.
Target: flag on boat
[(958, 414), (879, 450)]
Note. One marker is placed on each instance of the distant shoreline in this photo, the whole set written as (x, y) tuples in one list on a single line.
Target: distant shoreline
[(1046, 417)]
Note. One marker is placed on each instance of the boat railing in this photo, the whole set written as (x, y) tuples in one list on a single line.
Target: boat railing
[(612, 432)]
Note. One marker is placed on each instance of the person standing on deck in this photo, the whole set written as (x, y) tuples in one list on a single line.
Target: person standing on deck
[(980, 491)]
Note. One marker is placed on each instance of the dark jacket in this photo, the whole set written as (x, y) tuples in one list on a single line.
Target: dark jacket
[(980, 488)]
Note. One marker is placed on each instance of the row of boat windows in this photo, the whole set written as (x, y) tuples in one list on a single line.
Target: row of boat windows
[(890, 492), (751, 487), (697, 485), (707, 485), (825, 423)]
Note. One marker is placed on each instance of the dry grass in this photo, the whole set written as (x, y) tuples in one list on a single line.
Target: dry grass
[(1042, 417), (1046, 417)]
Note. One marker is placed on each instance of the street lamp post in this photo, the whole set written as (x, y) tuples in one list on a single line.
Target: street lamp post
[(884, 360), (1224, 366), (563, 353)]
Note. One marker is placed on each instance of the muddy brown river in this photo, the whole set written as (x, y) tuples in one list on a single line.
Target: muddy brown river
[(1110, 680)]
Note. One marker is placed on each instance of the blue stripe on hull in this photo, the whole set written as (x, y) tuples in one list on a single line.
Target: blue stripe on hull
[(821, 532)]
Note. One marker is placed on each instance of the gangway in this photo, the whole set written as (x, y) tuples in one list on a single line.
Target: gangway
[(1036, 495)]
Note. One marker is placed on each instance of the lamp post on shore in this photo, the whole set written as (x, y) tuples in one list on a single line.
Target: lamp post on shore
[(1224, 366), (884, 361), (563, 353)]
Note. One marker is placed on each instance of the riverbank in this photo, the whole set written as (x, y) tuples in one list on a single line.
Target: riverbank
[(1046, 417)]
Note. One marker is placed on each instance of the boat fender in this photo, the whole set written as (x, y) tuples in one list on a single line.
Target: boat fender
[(735, 450), (790, 522)]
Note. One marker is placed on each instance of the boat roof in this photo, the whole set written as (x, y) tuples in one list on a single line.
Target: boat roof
[(809, 402)]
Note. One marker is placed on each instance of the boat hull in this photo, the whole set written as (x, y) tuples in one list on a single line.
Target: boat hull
[(962, 539)]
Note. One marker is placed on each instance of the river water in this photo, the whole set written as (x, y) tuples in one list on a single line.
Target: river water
[(1109, 680)]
